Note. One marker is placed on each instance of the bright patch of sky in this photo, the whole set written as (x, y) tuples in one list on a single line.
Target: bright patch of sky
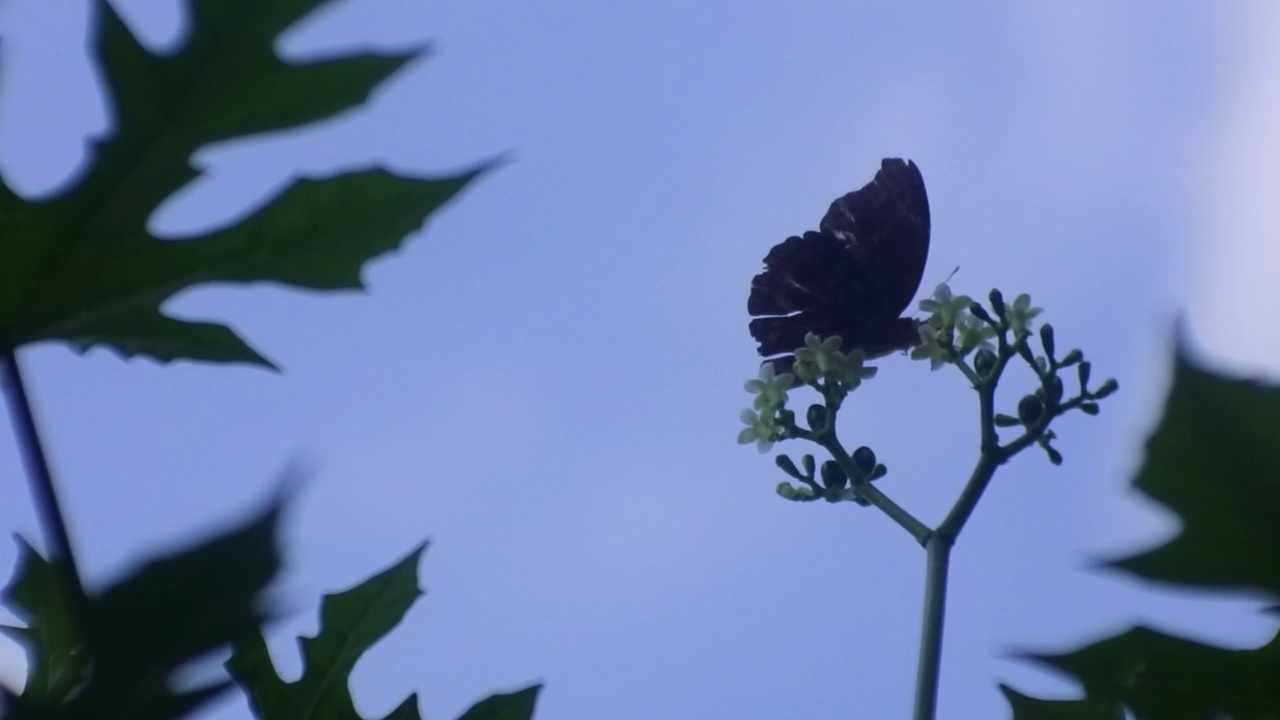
[(547, 382)]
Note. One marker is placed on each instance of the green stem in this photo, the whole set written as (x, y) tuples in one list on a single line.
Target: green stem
[(42, 487), (938, 558), (938, 552), (873, 494)]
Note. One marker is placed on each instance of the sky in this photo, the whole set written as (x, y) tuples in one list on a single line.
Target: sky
[(546, 382)]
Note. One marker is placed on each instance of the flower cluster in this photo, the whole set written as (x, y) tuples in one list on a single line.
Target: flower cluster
[(820, 363), (952, 329), (767, 416)]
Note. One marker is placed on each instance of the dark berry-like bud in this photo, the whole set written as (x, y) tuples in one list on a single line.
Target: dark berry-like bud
[(1046, 339), (833, 477), (1071, 358), (1089, 408), (864, 458), (1003, 420), (997, 303), (817, 418), (984, 363), (878, 473), (806, 462), (1084, 370), (1030, 408)]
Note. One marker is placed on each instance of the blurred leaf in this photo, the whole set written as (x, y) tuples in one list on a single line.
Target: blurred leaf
[(139, 631), (505, 706), (1170, 678), (81, 267), (1029, 708), (1214, 460), (350, 623), (56, 662)]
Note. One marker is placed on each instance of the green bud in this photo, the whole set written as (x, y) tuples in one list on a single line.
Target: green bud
[(1107, 388), (1030, 408), (807, 463), (878, 473), (1046, 339), (1071, 358), (1003, 420), (981, 313), (787, 466), (997, 303), (1084, 370), (1089, 408), (1055, 457)]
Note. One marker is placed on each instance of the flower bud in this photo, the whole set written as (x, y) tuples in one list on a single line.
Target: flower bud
[(833, 477), (864, 458), (787, 466), (981, 313), (997, 303), (816, 417), (984, 363), (1054, 389), (1046, 339), (1030, 408)]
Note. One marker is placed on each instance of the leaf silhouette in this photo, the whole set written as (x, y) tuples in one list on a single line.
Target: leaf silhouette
[(82, 268)]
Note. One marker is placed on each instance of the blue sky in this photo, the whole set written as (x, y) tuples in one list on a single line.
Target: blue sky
[(546, 383)]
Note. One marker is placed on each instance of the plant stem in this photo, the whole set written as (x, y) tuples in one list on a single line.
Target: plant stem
[(46, 497), (938, 553), (938, 558)]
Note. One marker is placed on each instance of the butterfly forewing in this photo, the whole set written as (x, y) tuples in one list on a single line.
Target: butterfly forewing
[(852, 278)]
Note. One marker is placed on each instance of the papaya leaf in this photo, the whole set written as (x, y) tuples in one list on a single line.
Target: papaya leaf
[(517, 705), (1159, 676), (82, 268), (1213, 460), (56, 661), (350, 623), (1028, 708), (118, 657)]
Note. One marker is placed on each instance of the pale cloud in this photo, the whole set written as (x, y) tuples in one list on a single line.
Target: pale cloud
[(1235, 269)]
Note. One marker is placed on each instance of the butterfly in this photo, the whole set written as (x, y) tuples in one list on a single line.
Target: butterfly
[(853, 278)]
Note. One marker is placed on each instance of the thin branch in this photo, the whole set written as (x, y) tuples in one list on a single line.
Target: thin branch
[(45, 495)]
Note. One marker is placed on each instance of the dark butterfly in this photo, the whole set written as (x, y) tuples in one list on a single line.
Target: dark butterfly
[(852, 278)]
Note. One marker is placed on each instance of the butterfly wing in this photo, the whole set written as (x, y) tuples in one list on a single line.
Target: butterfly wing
[(885, 227), (852, 278)]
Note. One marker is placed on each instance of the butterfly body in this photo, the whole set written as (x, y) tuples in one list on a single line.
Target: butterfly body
[(853, 277)]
